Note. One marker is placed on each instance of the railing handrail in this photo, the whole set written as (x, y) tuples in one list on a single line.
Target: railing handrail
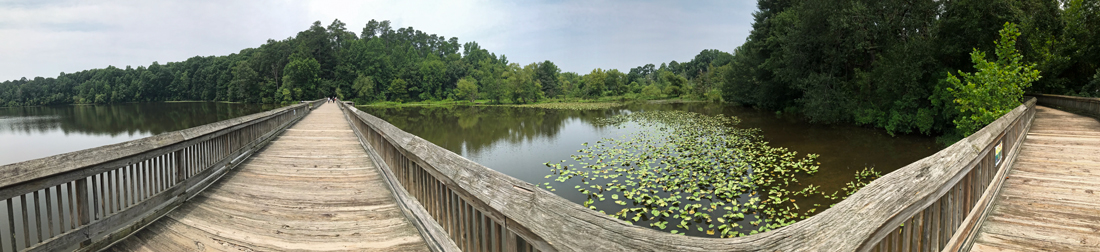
[(1070, 97), (24, 171), (559, 224), (1086, 105), (140, 180)]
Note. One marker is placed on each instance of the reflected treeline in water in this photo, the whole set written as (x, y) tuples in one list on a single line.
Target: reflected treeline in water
[(479, 127), (113, 120)]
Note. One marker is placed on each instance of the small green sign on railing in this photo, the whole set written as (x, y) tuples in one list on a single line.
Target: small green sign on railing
[(998, 153)]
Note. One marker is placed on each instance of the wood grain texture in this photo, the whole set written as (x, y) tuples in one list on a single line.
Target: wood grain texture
[(311, 189), (1051, 198)]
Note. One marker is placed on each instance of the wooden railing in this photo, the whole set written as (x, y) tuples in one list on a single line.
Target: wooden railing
[(1083, 105), (951, 221), (87, 200), (932, 204)]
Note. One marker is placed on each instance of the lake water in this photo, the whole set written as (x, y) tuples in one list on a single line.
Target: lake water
[(28, 133), (517, 141)]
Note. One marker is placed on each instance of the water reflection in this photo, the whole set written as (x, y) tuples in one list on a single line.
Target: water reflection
[(34, 132), (472, 130)]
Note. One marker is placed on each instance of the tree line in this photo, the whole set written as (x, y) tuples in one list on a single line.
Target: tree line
[(884, 63), (889, 63)]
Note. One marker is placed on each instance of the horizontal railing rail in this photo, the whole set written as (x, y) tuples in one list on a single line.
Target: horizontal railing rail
[(918, 207), (87, 200), (951, 222), (1084, 105)]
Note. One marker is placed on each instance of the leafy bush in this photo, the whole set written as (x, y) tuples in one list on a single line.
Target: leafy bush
[(996, 88)]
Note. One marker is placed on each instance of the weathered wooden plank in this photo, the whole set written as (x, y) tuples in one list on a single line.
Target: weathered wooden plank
[(303, 191), (1051, 199)]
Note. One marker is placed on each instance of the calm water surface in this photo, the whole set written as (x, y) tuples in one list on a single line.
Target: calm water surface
[(28, 133), (517, 141)]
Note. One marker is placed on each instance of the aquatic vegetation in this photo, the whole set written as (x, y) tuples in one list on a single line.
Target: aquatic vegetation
[(690, 172)]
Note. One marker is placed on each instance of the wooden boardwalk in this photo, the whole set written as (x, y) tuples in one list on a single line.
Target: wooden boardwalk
[(311, 189), (1051, 200)]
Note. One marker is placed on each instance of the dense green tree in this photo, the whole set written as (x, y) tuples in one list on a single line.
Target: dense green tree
[(303, 73), (594, 83), (398, 90), (365, 89), (997, 86), (547, 75), (466, 89), (433, 74), (244, 83)]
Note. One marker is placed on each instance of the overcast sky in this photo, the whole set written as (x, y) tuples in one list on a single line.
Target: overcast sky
[(47, 37)]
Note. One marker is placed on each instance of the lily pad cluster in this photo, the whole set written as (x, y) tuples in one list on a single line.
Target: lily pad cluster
[(688, 172)]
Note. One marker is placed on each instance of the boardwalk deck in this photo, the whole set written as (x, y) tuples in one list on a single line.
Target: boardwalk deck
[(1051, 200), (313, 189)]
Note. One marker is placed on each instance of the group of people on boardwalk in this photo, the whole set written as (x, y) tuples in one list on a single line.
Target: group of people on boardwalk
[(332, 99)]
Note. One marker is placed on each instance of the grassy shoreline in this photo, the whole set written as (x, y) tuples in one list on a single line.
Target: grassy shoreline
[(555, 103)]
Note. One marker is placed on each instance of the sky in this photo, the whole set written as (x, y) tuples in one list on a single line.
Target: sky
[(47, 37)]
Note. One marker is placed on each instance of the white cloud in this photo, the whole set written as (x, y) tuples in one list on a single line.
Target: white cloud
[(43, 38)]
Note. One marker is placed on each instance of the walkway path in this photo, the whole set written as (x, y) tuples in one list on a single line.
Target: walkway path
[(313, 188), (1051, 200)]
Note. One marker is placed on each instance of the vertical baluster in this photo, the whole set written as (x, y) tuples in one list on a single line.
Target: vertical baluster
[(26, 221), (945, 229), (918, 232), (934, 235), (499, 236), (485, 232), (37, 216), (98, 198), (178, 162), (11, 222), (83, 218), (127, 182), (468, 220), (907, 235), (147, 178), (162, 172), (116, 191), (490, 238), (471, 226), (437, 193), (203, 149), (49, 211), (163, 168), (957, 201), (462, 225), (511, 242), (447, 214), (477, 231), (74, 219), (193, 157), (453, 216), (139, 183), (108, 195), (201, 157)]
